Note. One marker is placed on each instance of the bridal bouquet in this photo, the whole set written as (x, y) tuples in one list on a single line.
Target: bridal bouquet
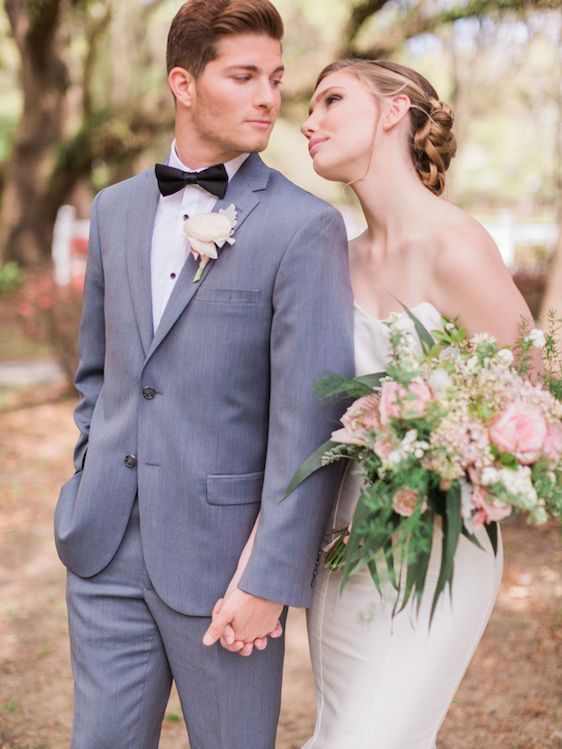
[(454, 429)]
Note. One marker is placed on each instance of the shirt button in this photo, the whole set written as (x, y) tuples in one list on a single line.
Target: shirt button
[(172, 275), (130, 461), (149, 393)]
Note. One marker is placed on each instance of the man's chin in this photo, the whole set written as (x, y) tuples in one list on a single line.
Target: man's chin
[(255, 145)]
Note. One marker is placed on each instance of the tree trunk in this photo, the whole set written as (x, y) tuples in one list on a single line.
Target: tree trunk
[(27, 216)]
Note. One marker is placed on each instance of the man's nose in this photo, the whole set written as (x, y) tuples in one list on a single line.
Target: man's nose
[(266, 94)]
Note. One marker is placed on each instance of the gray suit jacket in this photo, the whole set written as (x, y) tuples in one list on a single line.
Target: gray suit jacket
[(208, 417)]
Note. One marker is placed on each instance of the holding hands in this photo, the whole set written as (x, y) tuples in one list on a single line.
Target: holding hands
[(242, 621)]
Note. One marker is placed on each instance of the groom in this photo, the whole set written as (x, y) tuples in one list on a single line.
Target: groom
[(197, 407)]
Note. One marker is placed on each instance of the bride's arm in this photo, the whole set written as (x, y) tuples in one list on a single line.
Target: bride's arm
[(243, 561)]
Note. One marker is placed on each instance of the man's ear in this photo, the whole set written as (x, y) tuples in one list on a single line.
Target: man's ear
[(181, 83), (397, 107)]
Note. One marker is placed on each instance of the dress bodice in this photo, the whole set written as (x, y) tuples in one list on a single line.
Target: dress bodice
[(371, 336)]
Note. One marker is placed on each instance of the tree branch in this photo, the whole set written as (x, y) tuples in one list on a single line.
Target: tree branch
[(414, 22), (359, 15)]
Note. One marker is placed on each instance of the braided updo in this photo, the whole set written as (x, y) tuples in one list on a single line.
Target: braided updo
[(432, 143)]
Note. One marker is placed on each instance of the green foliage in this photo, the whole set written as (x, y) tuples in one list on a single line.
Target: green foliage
[(10, 277)]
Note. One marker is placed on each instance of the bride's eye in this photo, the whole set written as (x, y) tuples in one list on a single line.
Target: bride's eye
[(332, 98)]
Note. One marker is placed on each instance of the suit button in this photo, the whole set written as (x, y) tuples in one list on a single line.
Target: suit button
[(130, 461), (149, 393)]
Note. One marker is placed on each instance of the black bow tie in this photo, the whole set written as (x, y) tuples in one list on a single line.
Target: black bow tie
[(171, 180)]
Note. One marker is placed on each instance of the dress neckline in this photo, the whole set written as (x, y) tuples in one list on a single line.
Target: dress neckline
[(386, 319)]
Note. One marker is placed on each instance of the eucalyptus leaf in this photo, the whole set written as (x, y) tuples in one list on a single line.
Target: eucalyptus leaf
[(310, 466)]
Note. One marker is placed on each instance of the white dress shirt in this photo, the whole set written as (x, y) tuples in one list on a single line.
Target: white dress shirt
[(169, 246)]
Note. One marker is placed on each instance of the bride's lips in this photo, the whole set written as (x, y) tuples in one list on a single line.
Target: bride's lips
[(314, 143)]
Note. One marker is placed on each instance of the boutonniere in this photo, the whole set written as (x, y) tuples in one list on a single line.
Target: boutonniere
[(207, 233)]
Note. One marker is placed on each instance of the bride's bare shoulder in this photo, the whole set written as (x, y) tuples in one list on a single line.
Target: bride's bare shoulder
[(463, 246)]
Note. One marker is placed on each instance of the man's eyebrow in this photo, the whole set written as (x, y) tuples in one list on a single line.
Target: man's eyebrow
[(254, 68)]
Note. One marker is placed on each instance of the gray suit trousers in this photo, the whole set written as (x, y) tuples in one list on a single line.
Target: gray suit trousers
[(127, 646)]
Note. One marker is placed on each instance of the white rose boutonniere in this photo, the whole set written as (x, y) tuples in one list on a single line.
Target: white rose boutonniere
[(209, 232)]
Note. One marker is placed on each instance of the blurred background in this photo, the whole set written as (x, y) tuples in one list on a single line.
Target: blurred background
[(84, 103)]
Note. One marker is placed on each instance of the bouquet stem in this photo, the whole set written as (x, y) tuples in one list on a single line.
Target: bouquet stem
[(335, 552)]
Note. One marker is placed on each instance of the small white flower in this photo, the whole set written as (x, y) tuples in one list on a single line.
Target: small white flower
[(450, 352), (472, 364), (489, 476), (401, 323), (505, 356), (418, 453), (537, 338), (479, 338)]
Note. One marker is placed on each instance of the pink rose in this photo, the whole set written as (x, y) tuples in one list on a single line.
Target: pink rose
[(552, 446), (398, 401), (346, 438), (520, 430), (383, 448), (361, 418), (404, 501), (487, 510)]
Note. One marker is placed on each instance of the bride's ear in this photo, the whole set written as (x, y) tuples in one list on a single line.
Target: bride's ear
[(397, 107)]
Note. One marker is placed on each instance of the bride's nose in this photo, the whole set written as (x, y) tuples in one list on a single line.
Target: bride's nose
[(308, 127)]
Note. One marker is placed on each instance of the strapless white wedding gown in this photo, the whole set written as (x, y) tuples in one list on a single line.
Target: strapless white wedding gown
[(383, 683)]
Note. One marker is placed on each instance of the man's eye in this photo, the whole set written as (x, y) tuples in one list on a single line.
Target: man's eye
[(277, 81), (242, 77)]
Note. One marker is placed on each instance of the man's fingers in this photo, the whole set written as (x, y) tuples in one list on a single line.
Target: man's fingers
[(247, 649), (228, 635), (215, 630), (278, 631), (234, 647), (260, 643), (217, 607)]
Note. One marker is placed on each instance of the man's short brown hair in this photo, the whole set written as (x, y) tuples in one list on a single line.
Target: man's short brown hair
[(200, 24)]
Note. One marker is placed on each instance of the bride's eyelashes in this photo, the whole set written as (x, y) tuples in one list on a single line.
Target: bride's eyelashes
[(332, 98)]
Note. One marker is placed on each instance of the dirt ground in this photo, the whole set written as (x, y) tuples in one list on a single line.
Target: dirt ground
[(509, 699)]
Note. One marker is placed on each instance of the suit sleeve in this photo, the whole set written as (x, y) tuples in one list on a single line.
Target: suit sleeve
[(311, 334), (91, 342)]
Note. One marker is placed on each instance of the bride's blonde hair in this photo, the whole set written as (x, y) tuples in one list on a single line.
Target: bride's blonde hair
[(432, 142)]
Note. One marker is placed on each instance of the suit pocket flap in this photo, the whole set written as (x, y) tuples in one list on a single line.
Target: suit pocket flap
[(234, 489), (230, 296)]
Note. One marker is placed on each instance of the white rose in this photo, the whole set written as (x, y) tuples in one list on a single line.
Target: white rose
[(206, 231)]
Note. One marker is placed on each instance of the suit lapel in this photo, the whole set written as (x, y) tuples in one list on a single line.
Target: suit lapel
[(243, 192), (139, 227)]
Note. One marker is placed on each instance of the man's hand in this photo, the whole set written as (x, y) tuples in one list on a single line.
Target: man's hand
[(243, 620)]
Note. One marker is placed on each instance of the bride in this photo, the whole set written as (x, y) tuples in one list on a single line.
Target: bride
[(381, 128)]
